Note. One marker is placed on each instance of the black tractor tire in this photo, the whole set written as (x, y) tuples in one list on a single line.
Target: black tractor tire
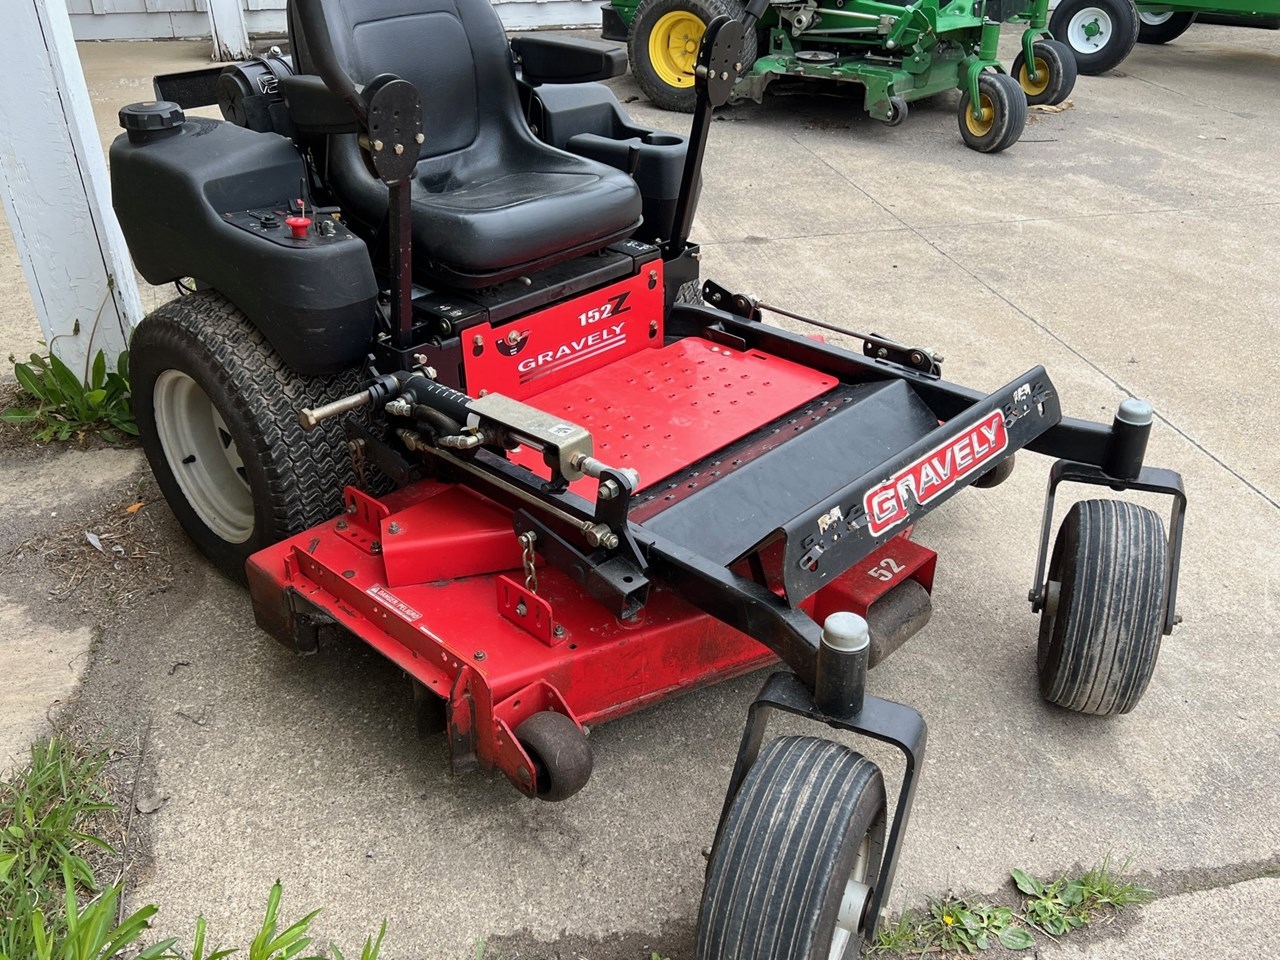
[(690, 292), (1119, 21), (1058, 64), (560, 753), (1103, 614), (1003, 95), (807, 823), (649, 73), (1161, 28), (217, 383)]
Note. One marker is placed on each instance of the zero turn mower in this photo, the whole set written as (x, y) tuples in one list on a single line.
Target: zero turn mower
[(898, 52), (447, 382)]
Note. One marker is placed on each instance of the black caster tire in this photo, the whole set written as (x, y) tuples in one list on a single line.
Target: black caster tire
[(997, 474), (1163, 27), (792, 873), (217, 414), (898, 111), (1101, 33), (1006, 114), (1103, 614), (560, 753), (663, 47), (1055, 73)]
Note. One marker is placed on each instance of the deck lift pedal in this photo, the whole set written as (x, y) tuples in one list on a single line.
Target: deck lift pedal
[(607, 498)]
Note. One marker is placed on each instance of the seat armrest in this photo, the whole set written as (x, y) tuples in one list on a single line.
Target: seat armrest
[(545, 59), (314, 108)]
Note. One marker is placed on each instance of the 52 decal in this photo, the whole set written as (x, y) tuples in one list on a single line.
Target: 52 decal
[(610, 308)]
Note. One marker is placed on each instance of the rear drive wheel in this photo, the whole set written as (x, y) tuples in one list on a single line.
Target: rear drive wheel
[(217, 415), (1163, 27), (1100, 33), (560, 753), (794, 868), (1004, 107), (1103, 613), (1055, 73), (665, 36)]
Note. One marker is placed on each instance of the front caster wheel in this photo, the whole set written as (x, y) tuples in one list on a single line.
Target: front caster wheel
[(1101, 33), (217, 413), (560, 753), (1004, 114), (797, 859), (1103, 613), (1055, 73)]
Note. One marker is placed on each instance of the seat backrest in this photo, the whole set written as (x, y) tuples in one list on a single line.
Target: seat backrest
[(454, 52)]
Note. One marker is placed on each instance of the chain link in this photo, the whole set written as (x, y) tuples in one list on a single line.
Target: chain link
[(530, 571)]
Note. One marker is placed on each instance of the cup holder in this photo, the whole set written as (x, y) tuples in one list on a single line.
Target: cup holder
[(662, 140)]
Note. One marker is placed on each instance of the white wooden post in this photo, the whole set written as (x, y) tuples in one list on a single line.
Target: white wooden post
[(53, 178), (230, 35)]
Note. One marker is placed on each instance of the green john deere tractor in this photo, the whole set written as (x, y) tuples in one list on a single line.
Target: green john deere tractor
[(898, 52)]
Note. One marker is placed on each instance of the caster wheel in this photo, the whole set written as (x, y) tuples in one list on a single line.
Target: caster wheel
[(997, 474), (663, 47), (898, 111), (1055, 73), (1163, 27), (560, 753), (1103, 613), (1101, 33), (794, 868), (1004, 108)]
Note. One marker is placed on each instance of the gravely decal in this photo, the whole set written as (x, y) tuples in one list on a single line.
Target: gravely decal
[(889, 503), (590, 345)]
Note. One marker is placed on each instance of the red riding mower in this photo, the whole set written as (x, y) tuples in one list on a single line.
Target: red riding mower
[(439, 382)]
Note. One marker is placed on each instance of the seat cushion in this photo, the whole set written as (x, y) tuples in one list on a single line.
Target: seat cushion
[(506, 217)]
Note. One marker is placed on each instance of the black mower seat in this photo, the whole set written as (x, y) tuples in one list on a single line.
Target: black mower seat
[(490, 200)]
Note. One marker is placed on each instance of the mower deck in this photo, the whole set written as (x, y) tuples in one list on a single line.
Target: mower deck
[(434, 578)]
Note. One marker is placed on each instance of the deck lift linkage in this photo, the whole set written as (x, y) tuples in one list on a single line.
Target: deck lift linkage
[(604, 495)]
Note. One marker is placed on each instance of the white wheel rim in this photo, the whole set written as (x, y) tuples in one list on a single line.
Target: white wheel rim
[(1154, 19), (853, 904), (202, 456), (1089, 30)]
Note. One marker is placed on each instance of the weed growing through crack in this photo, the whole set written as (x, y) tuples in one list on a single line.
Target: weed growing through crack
[(67, 406), (51, 905), (960, 925)]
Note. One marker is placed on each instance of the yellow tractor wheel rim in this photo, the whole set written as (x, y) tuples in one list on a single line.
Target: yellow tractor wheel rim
[(980, 128), (673, 47), (1033, 88)]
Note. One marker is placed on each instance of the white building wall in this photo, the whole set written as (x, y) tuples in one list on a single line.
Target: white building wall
[(169, 19)]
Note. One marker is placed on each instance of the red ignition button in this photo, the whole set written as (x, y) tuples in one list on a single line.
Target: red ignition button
[(299, 226)]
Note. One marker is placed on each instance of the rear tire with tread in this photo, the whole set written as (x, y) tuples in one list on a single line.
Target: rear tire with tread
[(1103, 618), (804, 833), (294, 478), (650, 74)]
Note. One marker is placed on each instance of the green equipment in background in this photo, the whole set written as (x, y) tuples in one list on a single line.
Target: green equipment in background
[(899, 52), (1101, 33)]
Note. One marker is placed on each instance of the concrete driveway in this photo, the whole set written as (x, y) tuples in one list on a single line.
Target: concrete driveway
[(1128, 244)]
